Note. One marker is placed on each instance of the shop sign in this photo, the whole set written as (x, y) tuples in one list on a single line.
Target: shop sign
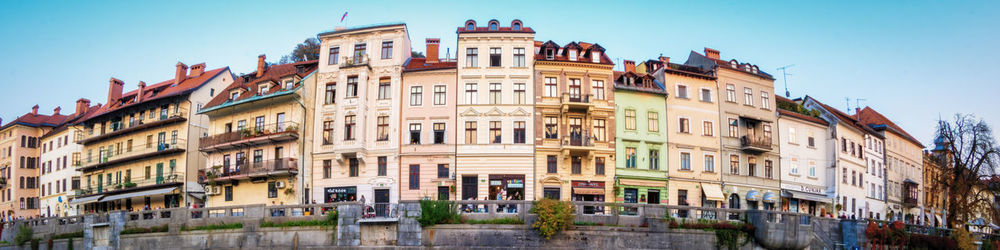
[(341, 190), (515, 183), (804, 189), (588, 184)]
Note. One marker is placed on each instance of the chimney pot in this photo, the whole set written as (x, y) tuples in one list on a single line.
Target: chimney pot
[(629, 66), (432, 50), (82, 105), (181, 74), (140, 92), (665, 60), (197, 70), (115, 90), (712, 53), (34, 110), (56, 110), (260, 65)]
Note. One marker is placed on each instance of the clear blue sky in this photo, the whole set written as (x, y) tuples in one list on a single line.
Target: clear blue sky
[(911, 60)]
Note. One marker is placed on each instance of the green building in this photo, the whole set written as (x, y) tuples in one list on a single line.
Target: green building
[(641, 138)]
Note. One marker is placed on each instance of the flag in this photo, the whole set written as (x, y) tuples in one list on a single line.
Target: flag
[(344, 16)]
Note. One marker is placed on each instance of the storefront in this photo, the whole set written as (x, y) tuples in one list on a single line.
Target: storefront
[(340, 194), (804, 199), (506, 187), (589, 191)]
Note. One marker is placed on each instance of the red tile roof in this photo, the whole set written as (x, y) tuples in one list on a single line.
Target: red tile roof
[(70, 120), (848, 119), (158, 91), (871, 117), (653, 87), (36, 120), (782, 112), (562, 53), (500, 29), (274, 73), (419, 64)]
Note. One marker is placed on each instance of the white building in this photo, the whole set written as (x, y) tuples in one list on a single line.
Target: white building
[(847, 175), (805, 157), (875, 203), (59, 160)]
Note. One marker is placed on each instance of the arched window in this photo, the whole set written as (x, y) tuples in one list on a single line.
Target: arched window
[(734, 201), (494, 25), (734, 64), (515, 25), (470, 24)]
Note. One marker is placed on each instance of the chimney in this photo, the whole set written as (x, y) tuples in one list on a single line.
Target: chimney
[(260, 65), (140, 92), (629, 66), (432, 50), (197, 70), (115, 90), (181, 74), (712, 53), (82, 105), (56, 110), (339, 28), (34, 110), (665, 60)]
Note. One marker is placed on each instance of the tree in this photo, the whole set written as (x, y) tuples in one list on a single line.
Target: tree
[(417, 54), (967, 153), (305, 51)]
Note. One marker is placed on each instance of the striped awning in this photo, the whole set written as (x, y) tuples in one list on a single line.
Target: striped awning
[(139, 194), (85, 200), (589, 191)]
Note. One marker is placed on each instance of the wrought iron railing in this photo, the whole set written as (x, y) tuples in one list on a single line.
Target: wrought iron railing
[(291, 128)]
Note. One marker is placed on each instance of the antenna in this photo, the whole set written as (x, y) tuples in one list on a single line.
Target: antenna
[(858, 102), (848, 101), (784, 77)]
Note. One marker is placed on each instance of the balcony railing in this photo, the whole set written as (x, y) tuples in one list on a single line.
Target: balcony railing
[(140, 125), (131, 183), (351, 61), (282, 166), (253, 135), (578, 140), (755, 144), (110, 158), (576, 102)]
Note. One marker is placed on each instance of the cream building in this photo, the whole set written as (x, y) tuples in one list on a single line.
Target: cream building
[(140, 149), (495, 152), (60, 153), (355, 152), (846, 176), (875, 205), (903, 167), (20, 158), (256, 144), (805, 156)]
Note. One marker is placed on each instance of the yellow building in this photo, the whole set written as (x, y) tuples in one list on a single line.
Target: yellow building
[(19, 162), (136, 147), (255, 143), (574, 122)]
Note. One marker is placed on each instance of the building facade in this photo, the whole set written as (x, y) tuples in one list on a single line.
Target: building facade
[(875, 205), (640, 138), (847, 171), (139, 149), (574, 122), (21, 158), (904, 167), (357, 114), (60, 153), (747, 108), (494, 156), (427, 140), (256, 141), (804, 159)]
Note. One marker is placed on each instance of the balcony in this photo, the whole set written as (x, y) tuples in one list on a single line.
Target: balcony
[(578, 144), (129, 185), (251, 136), (755, 144), (139, 126), (108, 159), (579, 103), (242, 171), (354, 61), (910, 193)]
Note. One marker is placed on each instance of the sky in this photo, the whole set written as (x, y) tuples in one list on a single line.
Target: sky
[(913, 61)]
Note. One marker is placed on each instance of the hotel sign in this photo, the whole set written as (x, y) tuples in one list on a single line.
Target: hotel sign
[(804, 189)]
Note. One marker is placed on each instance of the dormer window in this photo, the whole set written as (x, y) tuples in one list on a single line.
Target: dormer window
[(494, 25), (515, 25), (233, 95), (550, 54), (289, 84), (595, 56), (733, 64), (470, 26), (755, 69), (263, 88), (747, 67), (572, 55)]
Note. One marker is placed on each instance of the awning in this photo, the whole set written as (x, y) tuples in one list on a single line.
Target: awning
[(938, 217), (589, 191), (753, 195), (139, 194), (713, 192), (85, 200), (770, 197), (644, 183), (806, 196)]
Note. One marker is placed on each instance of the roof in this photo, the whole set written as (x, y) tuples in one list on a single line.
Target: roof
[(250, 83), (871, 117), (687, 70), (585, 54), (420, 64), (158, 91), (848, 119), (361, 27), (783, 112), (70, 121), (500, 29), (710, 64), (655, 87), (36, 120)]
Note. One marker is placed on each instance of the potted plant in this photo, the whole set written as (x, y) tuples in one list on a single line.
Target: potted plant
[(292, 127), (245, 132), (289, 191)]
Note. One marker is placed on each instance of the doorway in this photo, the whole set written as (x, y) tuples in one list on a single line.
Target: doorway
[(381, 202)]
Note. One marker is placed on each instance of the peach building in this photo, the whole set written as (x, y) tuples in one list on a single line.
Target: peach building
[(20, 160), (427, 137)]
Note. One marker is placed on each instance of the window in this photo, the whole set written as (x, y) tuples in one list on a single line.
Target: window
[(359, 52), (416, 96), (630, 119), (550, 54), (706, 95), (443, 171), (440, 95), (272, 189), (812, 168), (791, 135), (654, 121), (600, 130), (327, 132), (709, 163), (707, 128), (572, 55), (519, 57), (470, 93), (748, 96), (352, 167), (334, 56), (599, 165), (682, 91), (551, 193), (495, 132), (470, 132), (415, 133), (495, 57), (844, 175), (383, 165), (551, 87), (765, 100), (576, 165), (519, 93), (551, 127), (598, 89), (349, 127), (630, 157), (768, 167), (414, 176), (384, 89), (733, 127), (552, 164), (263, 88), (387, 50), (734, 164), (751, 166), (495, 91), (684, 125), (352, 86), (730, 93), (439, 133), (843, 144), (258, 124), (471, 57), (327, 169), (767, 134), (686, 161), (519, 132)]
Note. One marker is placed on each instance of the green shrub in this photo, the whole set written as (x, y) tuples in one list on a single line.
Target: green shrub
[(23, 235), (221, 226), (553, 216), (77, 234), (501, 221), (438, 212), (963, 239), (586, 223), (140, 230), (34, 244)]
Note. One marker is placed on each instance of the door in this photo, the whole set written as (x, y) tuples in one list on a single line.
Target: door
[(161, 140), (576, 131), (100, 183), (574, 90), (281, 122), (469, 188), (381, 202), (159, 173)]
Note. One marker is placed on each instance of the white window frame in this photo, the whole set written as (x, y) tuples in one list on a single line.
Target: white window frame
[(712, 129), (444, 95), (472, 97), (748, 96), (705, 161), (765, 100), (701, 96), (731, 92), (418, 92), (677, 91), (680, 160)]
